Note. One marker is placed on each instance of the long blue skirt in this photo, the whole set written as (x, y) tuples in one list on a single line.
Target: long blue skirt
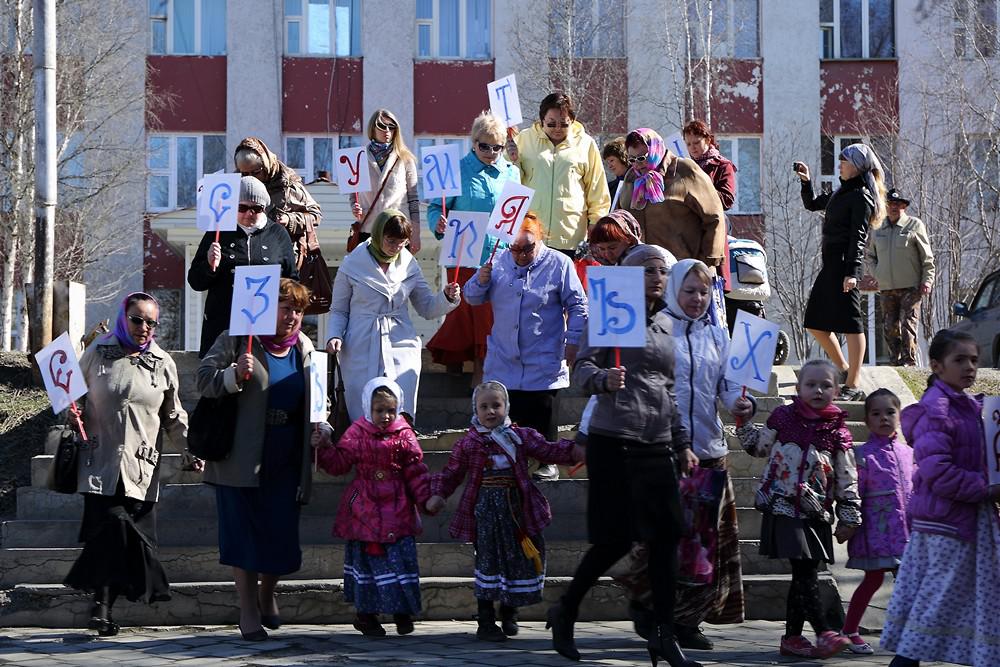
[(387, 584)]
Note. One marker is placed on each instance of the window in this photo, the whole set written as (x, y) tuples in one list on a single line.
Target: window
[(464, 143), (975, 28), (830, 148), (734, 27), (175, 163), (987, 295), (745, 154), (983, 175), (187, 27), (857, 29), (312, 153), (323, 27), (454, 29), (587, 29)]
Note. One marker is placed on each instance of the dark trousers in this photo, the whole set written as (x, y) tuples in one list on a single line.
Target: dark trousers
[(803, 599), (535, 409)]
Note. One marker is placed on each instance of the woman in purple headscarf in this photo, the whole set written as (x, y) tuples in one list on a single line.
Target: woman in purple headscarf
[(131, 407)]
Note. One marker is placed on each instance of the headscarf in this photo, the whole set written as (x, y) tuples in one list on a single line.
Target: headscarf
[(504, 435), (865, 160), (269, 160), (371, 386), (380, 151), (378, 233), (642, 253), (121, 325), (678, 272), (648, 186), (626, 221)]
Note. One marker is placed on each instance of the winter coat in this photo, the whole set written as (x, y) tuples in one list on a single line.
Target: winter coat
[(946, 431), (370, 315), (845, 223), (217, 377), (400, 191), (689, 222), (538, 310), (473, 454), (810, 465), (885, 483), (722, 172), (131, 405), (900, 254), (646, 409), (571, 191), (389, 479), (268, 245)]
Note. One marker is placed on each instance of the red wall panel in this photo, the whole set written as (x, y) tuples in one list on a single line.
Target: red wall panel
[(449, 94), (859, 97), (194, 89), (163, 268), (322, 95), (737, 96)]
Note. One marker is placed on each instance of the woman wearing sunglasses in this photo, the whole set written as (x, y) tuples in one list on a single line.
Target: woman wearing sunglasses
[(484, 171), (562, 163), (131, 407), (393, 172), (257, 240)]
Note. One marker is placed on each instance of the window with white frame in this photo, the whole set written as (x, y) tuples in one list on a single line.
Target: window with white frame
[(180, 27), (454, 29), (587, 28), (857, 29), (463, 142), (832, 146), (745, 154), (975, 28), (323, 28), (312, 153), (735, 32), (175, 162)]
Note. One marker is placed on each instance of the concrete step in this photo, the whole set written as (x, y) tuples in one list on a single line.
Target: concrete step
[(322, 601)]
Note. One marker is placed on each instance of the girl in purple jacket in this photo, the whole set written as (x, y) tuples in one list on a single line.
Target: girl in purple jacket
[(885, 471), (947, 597)]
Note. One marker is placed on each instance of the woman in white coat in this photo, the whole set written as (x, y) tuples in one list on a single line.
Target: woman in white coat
[(370, 324)]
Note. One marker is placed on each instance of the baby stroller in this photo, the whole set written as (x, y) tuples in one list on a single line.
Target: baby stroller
[(749, 287)]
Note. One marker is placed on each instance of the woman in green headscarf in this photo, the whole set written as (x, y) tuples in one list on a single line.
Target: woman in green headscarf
[(369, 321)]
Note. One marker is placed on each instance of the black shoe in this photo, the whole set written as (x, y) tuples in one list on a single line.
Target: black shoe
[(486, 616), (662, 645), (255, 636), (902, 661), (368, 625), (643, 620), (692, 637), (851, 394), (508, 620), (99, 615), (404, 623), (561, 622), (269, 621)]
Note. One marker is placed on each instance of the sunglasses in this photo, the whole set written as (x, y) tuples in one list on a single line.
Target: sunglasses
[(526, 250), (385, 127), (493, 148), (653, 270), (139, 320), (253, 208), (553, 125), (638, 158)]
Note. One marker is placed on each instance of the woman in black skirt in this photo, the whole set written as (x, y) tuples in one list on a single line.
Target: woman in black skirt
[(130, 407), (835, 303), (635, 448)]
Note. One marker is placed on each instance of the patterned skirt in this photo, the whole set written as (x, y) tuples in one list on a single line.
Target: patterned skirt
[(503, 571), (388, 583), (946, 600)]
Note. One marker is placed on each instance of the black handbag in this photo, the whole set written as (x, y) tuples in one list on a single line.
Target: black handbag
[(339, 420), (66, 461), (211, 426), (315, 274)]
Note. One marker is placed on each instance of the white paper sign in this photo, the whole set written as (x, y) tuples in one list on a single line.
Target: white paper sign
[(255, 300), (675, 142), (440, 172), (463, 240), (617, 305), (218, 199), (61, 373), (504, 102), (317, 387), (352, 169), (991, 420), (751, 353), (509, 211)]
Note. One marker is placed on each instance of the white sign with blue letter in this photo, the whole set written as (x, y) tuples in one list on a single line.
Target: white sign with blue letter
[(675, 142), (317, 387), (218, 199), (440, 171), (255, 300), (504, 102), (751, 353), (463, 240), (617, 306)]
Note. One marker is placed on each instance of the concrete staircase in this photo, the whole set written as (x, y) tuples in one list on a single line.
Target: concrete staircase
[(39, 546)]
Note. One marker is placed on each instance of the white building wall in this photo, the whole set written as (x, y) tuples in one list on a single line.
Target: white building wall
[(254, 50), (388, 44)]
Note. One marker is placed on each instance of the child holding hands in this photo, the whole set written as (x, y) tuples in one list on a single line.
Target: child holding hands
[(377, 514), (501, 511)]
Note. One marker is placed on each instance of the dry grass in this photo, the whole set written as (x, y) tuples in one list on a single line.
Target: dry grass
[(987, 380)]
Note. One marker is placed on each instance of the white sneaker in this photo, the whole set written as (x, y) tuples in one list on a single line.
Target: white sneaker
[(858, 645)]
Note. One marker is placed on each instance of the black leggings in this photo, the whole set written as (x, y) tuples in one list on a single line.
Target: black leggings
[(803, 599), (662, 575), (535, 409)]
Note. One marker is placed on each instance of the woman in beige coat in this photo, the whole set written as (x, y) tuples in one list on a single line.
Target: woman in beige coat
[(130, 408)]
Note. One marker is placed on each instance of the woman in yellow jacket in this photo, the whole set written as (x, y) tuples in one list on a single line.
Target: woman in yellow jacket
[(562, 163)]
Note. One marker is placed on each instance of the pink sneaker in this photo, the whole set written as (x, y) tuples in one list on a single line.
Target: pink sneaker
[(797, 645), (858, 645), (830, 643)]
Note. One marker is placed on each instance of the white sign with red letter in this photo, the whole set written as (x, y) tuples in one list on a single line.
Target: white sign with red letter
[(61, 373), (991, 420), (508, 213), (352, 169)]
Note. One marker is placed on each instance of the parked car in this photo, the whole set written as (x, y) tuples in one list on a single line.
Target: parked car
[(982, 320)]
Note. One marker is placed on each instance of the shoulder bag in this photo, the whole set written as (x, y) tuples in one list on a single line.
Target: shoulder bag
[(62, 475), (315, 274), (339, 419), (354, 240)]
